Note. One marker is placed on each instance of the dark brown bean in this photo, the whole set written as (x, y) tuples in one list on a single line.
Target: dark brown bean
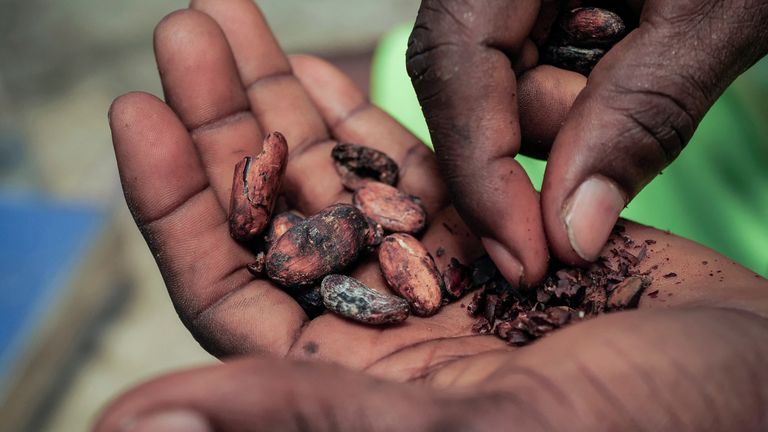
[(457, 279), (350, 298), (358, 164), (581, 60), (255, 188), (320, 245), (411, 273), (394, 210), (592, 27)]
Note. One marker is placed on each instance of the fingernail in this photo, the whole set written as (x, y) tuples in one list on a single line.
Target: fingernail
[(171, 421), (508, 265), (591, 214)]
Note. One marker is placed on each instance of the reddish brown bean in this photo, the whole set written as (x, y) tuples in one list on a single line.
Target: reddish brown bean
[(394, 210), (592, 27), (280, 224), (255, 188), (320, 245), (411, 273)]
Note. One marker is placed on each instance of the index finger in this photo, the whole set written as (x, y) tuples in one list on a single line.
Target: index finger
[(460, 61)]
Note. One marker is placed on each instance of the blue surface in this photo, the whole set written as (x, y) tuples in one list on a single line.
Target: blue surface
[(41, 243)]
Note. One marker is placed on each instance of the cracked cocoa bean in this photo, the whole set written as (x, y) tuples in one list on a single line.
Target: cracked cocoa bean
[(320, 245), (255, 188), (358, 164), (350, 298), (581, 60), (457, 279), (411, 273), (280, 224), (592, 27), (394, 210)]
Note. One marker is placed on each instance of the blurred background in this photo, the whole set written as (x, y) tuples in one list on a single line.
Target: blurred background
[(83, 310), (84, 314)]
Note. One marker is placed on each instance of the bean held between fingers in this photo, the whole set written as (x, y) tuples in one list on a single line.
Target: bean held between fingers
[(358, 164), (411, 272), (325, 243), (256, 187), (350, 298), (394, 210)]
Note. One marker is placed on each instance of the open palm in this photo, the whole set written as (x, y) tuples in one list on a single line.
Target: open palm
[(227, 83)]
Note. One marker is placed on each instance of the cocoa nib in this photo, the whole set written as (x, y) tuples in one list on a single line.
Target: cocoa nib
[(319, 245), (411, 272), (357, 164), (567, 295), (457, 279), (394, 210), (255, 188), (350, 298)]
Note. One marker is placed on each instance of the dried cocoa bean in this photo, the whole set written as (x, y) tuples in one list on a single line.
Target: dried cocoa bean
[(255, 188), (457, 279), (350, 298), (627, 293), (358, 164), (256, 268), (320, 245), (280, 224), (592, 27), (411, 273), (581, 60), (394, 210)]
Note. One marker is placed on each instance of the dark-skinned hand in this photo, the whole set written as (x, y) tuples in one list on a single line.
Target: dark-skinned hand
[(475, 67), (691, 358)]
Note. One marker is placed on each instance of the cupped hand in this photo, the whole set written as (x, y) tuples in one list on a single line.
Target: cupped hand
[(695, 342), (475, 67)]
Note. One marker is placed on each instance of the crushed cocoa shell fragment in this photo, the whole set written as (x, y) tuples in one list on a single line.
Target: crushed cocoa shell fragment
[(627, 293), (350, 298)]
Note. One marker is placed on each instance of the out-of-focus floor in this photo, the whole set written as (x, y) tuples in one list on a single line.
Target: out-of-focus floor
[(61, 65)]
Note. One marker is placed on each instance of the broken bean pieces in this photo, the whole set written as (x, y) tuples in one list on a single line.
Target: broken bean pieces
[(358, 164)]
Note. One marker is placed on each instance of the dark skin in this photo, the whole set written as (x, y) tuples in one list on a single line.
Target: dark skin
[(679, 362), (474, 65)]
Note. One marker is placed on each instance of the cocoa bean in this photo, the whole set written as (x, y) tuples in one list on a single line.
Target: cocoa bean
[(581, 60), (394, 210), (350, 298), (256, 268), (358, 164), (280, 224), (457, 279), (255, 188), (411, 273), (319, 245), (310, 300), (592, 27), (626, 294)]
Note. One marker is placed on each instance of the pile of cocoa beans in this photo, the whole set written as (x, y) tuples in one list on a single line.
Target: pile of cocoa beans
[(581, 38), (308, 256)]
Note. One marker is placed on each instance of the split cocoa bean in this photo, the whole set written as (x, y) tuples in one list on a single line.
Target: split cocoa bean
[(411, 272), (394, 210), (255, 189), (320, 245), (592, 27), (457, 279), (626, 294), (350, 298), (358, 164)]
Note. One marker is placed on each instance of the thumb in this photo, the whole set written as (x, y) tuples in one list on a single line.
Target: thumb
[(271, 394), (640, 107)]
